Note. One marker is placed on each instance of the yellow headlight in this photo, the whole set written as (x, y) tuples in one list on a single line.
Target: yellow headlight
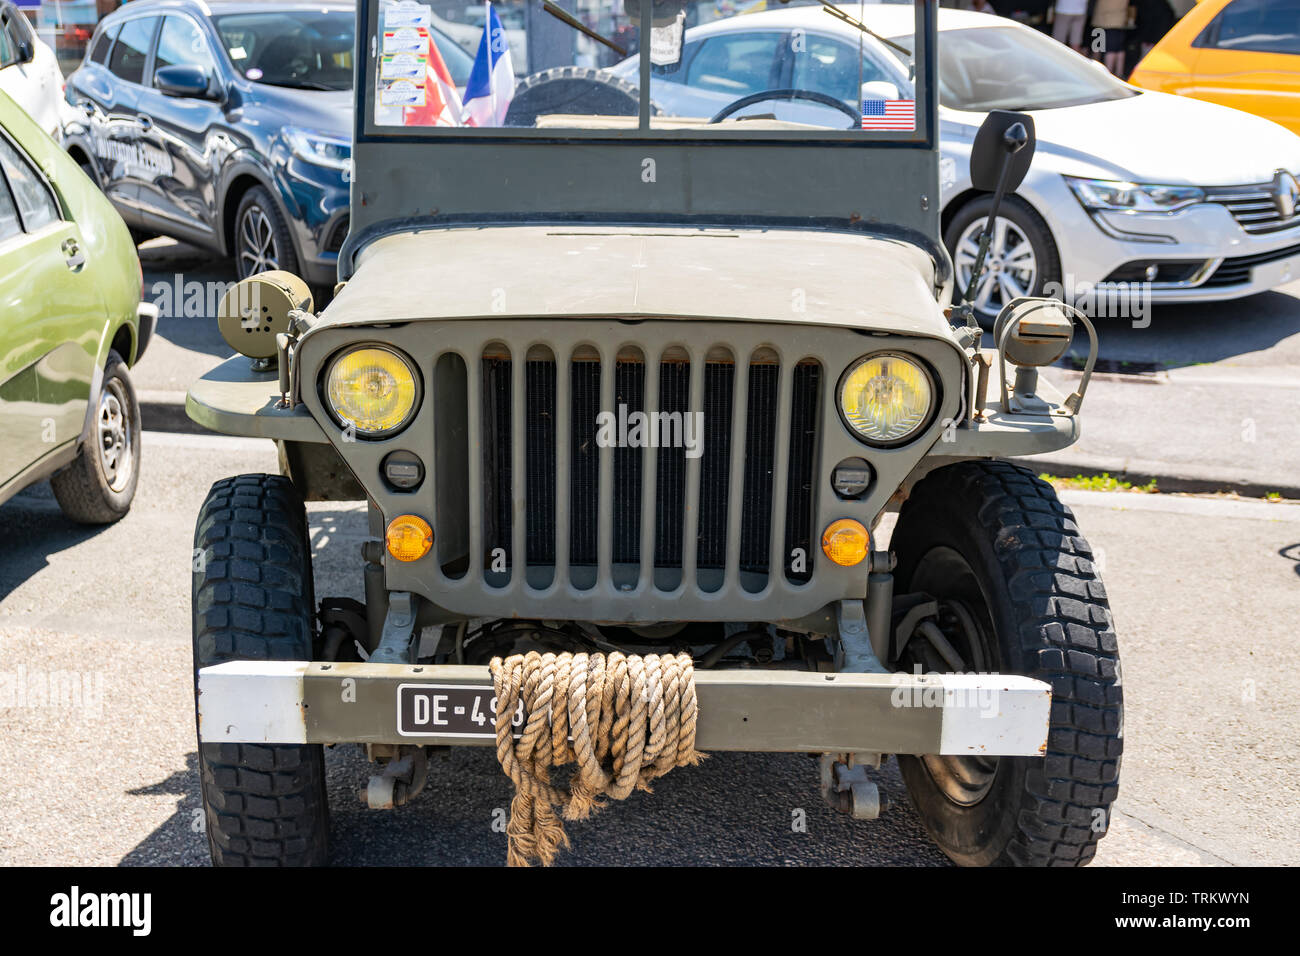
[(886, 397), (371, 388)]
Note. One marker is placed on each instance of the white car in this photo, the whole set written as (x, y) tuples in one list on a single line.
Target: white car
[(1193, 200), (29, 71)]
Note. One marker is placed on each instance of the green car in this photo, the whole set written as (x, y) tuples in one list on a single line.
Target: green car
[(71, 323)]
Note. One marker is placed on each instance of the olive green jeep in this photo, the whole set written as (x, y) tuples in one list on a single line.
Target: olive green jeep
[(609, 380)]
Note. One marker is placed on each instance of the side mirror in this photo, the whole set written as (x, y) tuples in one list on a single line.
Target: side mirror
[(26, 51), (997, 145), (182, 80), (879, 90), (999, 161)]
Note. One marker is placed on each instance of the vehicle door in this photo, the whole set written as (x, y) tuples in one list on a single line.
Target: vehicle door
[(23, 77), (51, 317), (178, 187), (1249, 58), (116, 127), (13, 80)]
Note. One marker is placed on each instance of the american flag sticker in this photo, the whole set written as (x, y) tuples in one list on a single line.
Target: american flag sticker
[(889, 114)]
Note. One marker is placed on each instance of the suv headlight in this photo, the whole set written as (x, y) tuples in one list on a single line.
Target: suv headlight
[(886, 398), (372, 388), (320, 149), (1107, 196)]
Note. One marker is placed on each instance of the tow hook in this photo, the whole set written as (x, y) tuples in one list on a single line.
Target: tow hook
[(401, 780), (846, 787)]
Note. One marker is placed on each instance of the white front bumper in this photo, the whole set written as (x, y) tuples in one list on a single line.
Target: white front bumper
[(297, 702)]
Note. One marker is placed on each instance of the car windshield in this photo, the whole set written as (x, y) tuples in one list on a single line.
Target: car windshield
[(309, 50), (729, 67), (1011, 68)]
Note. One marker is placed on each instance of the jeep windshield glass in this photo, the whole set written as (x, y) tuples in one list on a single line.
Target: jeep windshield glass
[(730, 68), (990, 68), (308, 49)]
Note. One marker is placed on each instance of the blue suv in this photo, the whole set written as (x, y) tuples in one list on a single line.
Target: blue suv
[(227, 124)]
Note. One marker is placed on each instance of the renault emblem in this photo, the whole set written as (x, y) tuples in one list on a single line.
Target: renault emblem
[(1286, 194)]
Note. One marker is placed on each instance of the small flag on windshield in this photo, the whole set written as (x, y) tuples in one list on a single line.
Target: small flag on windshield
[(889, 114), (491, 83)]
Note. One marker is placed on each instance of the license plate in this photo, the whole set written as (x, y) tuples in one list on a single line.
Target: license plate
[(450, 710)]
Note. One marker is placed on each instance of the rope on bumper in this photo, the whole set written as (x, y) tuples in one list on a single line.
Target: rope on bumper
[(623, 720)]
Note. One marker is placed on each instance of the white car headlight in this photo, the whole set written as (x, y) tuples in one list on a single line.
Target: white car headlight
[(1107, 196), (320, 149)]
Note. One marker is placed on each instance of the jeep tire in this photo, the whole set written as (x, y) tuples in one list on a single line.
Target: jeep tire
[(993, 544), (264, 804)]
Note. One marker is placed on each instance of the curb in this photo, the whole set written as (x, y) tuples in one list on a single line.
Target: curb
[(1168, 477), (164, 411)]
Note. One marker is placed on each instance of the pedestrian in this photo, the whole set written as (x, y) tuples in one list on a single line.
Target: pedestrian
[(1067, 23), (1154, 19), (1112, 18)]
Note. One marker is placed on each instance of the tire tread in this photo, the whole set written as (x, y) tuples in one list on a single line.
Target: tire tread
[(265, 804), (1066, 632)]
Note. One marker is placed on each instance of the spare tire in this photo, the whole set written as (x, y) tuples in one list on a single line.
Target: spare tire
[(572, 89)]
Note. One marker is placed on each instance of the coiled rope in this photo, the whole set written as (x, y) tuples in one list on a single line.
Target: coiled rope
[(623, 720)]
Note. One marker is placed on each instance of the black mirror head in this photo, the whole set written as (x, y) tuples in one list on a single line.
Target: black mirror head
[(1004, 136)]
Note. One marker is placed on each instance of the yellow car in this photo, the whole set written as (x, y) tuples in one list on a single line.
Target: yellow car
[(1241, 53)]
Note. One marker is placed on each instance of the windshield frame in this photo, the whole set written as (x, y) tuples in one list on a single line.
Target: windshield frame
[(923, 137)]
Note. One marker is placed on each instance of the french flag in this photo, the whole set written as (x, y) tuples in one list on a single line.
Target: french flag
[(491, 83)]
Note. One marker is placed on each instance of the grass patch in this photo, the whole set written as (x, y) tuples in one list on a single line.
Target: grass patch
[(1102, 482)]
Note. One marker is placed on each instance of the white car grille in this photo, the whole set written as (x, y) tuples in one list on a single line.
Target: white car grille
[(1258, 208)]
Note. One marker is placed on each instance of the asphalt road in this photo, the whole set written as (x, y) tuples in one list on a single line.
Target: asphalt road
[(1206, 593), (1209, 393)]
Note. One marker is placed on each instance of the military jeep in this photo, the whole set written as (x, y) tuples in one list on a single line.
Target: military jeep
[(608, 379)]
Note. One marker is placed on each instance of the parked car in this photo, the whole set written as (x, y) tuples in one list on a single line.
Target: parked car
[(71, 324), (29, 70), (1198, 200), (1241, 53), (228, 125)]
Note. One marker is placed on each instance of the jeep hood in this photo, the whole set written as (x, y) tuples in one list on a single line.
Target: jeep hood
[(751, 275)]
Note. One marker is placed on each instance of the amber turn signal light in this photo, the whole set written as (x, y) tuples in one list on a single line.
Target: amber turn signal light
[(408, 537), (846, 542)]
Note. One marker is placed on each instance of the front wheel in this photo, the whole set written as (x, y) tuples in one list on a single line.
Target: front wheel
[(262, 240), (264, 804), (1022, 257), (1017, 593)]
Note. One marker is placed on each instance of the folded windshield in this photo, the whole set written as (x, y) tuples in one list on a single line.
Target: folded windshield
[(625, 67)]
